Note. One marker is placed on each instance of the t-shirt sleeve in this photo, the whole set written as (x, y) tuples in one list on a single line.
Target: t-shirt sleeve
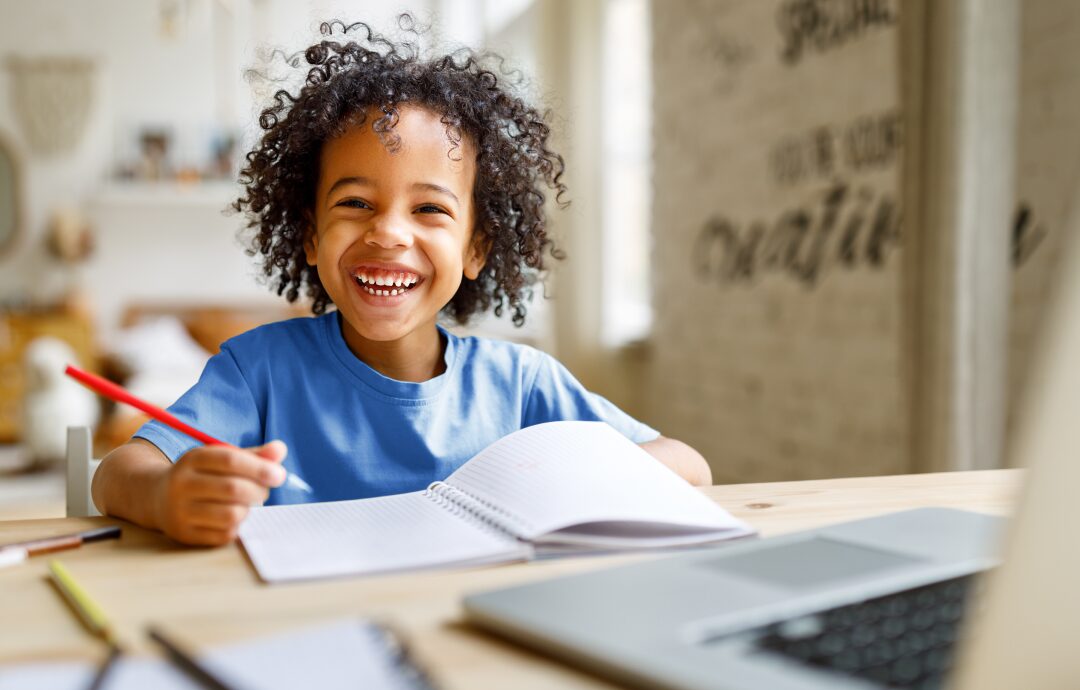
[(220, 404), (555, 395)]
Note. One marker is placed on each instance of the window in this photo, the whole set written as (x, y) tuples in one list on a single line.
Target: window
[(625, 160)]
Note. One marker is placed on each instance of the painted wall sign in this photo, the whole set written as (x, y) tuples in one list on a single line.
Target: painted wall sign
[(821, 25)]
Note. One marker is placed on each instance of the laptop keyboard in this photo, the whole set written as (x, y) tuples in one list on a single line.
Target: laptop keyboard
[(902, 640)]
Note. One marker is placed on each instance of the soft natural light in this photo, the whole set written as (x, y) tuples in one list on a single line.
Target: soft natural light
[(627, 313)]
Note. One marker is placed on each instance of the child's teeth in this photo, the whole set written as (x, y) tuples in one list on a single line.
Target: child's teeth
[(401, 280)]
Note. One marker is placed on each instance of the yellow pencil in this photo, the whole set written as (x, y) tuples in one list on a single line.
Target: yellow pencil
[(92, 615)]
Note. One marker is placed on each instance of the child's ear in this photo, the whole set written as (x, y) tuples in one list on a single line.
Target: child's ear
[(311, 244), (476, 256)]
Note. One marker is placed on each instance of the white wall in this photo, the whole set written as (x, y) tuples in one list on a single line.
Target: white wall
[(769, 370), (776, 381), (145, 250)]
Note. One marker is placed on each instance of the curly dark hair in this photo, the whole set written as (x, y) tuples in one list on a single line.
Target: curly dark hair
[(347, 80)]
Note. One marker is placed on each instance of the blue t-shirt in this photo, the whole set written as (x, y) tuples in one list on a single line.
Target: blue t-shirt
[(354, 433)]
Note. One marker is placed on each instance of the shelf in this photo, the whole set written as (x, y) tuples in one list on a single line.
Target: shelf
[(216, 194)]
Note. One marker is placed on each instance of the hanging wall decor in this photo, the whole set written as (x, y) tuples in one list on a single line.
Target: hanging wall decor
[(52, 98)]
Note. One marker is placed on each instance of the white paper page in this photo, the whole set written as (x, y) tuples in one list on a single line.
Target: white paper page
[(373, 535), (128, 674), (559, 474), (344, 654)]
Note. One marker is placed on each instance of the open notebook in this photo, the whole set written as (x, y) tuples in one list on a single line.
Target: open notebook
[(561, 485)]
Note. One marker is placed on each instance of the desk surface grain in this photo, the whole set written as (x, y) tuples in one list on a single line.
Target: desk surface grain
[(208, 596)]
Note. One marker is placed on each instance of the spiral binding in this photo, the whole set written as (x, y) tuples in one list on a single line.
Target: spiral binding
[(411, 672), (464, 504)]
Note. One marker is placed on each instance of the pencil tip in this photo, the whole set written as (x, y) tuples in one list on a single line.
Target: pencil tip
[(298, 483)]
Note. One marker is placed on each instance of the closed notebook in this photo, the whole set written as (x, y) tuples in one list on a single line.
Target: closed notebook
[(338, 655), (563, 486)]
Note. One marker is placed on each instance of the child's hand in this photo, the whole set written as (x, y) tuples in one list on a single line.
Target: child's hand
[(203, 498)]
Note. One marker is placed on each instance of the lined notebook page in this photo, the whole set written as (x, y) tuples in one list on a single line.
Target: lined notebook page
[(559, 474), (406, 531)]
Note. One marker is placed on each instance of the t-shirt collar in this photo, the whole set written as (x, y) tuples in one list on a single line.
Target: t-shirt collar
[(401, 390)]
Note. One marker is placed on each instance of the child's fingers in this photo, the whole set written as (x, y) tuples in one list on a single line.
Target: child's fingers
[(226, 489), (274, 451), (220, 516), (238, 463), (208, 536)]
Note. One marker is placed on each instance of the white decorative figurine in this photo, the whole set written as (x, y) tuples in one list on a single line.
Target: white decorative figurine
[(52, 402)]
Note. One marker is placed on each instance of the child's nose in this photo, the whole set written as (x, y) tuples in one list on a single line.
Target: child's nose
[(389, 232)]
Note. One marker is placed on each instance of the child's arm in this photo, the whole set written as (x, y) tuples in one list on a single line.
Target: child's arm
[(199, 500), (681, 459)]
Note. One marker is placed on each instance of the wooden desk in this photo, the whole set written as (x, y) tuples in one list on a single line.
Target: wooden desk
[(211, 596)]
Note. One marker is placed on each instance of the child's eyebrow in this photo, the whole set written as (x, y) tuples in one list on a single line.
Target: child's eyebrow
[(436, 188), (347, 181)]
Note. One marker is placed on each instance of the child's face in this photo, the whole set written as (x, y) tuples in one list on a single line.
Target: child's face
[(403, 219)]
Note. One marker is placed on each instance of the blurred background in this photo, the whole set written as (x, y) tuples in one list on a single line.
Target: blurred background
[(811, 238)]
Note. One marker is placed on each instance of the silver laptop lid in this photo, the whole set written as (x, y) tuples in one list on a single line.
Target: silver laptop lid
[(1027, 633)]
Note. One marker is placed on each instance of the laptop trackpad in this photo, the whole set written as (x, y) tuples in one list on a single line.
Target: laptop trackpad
[(810, 563)]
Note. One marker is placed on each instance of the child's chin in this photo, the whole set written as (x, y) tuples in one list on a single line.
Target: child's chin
[(381, 331)]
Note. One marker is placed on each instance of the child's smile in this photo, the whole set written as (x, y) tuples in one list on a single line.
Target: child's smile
[(385, 280), (385, 284), (393, 238)]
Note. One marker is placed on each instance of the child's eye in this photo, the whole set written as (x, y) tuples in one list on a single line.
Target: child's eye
[(353, 203), (431, 208)]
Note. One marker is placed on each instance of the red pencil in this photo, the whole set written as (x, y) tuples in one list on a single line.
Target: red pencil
[(114, 392)]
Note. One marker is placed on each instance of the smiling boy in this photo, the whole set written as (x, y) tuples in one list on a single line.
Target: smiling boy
[(398, 190), (388, 217)]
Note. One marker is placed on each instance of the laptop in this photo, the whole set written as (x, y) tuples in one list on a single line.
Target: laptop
[(929, 598)]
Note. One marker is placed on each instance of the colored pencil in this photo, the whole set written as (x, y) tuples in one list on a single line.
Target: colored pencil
[(119, 394), (91, 615), (186, 662)]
